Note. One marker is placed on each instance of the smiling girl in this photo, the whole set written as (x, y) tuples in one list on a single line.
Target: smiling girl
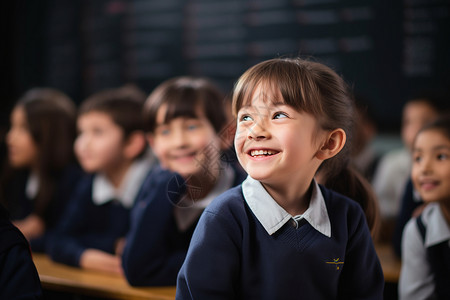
[(425, 269), (186, 122), (280, 235)]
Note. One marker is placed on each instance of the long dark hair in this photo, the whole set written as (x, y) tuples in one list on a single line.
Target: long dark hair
[(50, 115)]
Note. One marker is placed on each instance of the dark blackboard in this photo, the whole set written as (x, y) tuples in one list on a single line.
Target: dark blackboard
[(387, 50)]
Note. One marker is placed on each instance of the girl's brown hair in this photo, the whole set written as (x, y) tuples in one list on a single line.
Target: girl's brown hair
[(183, 97), (316, 89)]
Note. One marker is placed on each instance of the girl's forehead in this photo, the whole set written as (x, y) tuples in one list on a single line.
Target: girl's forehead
[(167, 113), (264, 95), (431, 136)]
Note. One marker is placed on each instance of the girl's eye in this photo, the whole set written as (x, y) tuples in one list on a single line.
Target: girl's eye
[(192, 127), (417, 158), (164, 131), (442, 156), (246, 118), (279, 115)]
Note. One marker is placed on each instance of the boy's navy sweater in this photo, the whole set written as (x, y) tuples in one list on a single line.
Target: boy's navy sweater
[(231, 255), (18, 276), (155, 247), (87, 225)]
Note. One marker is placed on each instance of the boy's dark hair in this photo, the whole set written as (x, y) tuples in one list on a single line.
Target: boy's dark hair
[(184, 96), (123, 105)]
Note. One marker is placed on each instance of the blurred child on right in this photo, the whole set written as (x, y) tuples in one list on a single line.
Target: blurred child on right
[(425, 272), (393, 169), (111, 145), (187, 130)]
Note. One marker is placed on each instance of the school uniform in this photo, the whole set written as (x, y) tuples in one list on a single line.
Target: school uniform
[(18, 276), (23, 191), (98, 215), (163, 224), (246, 246), (410, 201), (425, 269)]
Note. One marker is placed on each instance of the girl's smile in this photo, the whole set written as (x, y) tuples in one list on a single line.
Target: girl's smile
[(431, 166), (183, 157), (428, 184), (262, 153)]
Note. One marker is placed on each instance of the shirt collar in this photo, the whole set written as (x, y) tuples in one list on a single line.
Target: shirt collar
[(103, 191), (272, 216), (32, 186), (437, 229), (187, 213)]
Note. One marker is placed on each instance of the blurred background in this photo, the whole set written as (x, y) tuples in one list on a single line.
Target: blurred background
[(387, 50)]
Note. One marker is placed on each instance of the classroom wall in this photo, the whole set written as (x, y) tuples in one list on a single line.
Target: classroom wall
[(387, 50)]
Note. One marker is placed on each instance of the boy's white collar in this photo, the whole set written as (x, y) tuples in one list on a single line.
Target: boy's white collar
[(103, 191), (272, 216)]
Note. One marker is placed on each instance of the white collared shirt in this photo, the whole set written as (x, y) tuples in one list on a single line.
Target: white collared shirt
[(186, 214), (272, 216), (103, 190), (32, 187), (416, 279)]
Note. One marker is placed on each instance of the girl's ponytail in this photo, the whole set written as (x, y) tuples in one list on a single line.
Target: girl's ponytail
[(349, 182)]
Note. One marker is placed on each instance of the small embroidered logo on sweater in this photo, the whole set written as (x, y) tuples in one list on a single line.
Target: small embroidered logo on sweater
[(336, 262)]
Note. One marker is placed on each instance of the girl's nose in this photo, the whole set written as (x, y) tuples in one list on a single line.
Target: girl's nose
[(426, 166), (179, 138), (258, 132)]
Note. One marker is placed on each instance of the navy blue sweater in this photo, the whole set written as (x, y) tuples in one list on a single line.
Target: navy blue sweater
[(18, 276), (231, 256), (155, 247), (20, 206), (87, 225)]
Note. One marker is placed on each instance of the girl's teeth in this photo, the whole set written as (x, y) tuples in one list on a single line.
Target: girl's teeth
[(261, 152)]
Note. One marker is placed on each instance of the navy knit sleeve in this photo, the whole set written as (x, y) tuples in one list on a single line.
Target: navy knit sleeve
[(76, 231), (149, 258), (18, 276), (362, 276), (62, 246), (211, 269)]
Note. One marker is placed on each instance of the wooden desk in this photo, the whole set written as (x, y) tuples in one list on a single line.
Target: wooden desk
[(389, 262), (59, 277)]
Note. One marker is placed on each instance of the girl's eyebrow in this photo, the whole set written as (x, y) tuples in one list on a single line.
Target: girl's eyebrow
[(441, 147), (436, 148)]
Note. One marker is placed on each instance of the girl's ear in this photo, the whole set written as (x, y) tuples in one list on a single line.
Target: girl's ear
[(135, 144), (333, 144)]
